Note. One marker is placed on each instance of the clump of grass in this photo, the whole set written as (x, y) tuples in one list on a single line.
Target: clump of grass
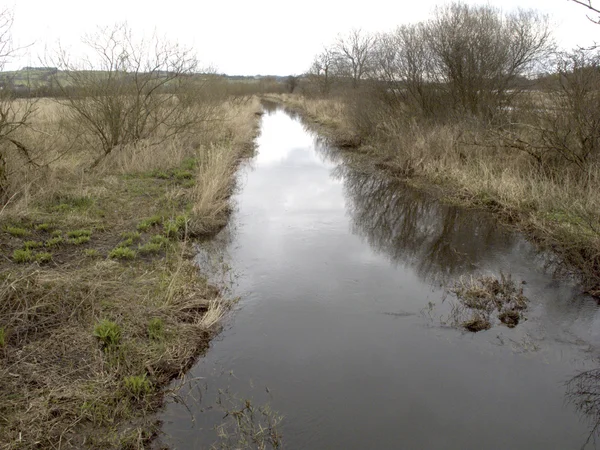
[(54, 242), (133, 235), (145, 224), (189, 164), (156, 329), (43, 257), (79, 233), (43, 227), (22, 256), (171, 229), (56, 233), (159, 239), (2, 337), (17, 231), (126, 243), (91, 252), (108, 333), (122, 253), (69, 202), (79, 240), (32, 244), (182, 175), (485, 295), (150, 248), (137, 386)]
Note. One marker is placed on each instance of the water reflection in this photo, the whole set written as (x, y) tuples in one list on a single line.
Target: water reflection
[(439, 241)]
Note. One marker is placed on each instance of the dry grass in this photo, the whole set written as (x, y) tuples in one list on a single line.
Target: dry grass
[(62, 386), (474, 169)]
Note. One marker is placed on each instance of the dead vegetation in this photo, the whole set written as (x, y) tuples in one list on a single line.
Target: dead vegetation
[(484, 300), (101, 302)]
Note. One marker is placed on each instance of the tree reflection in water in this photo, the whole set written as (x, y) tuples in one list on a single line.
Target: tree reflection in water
[(440, 241), (583, 392)]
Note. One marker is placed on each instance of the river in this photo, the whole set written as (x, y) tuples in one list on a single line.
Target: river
[(340, 324)]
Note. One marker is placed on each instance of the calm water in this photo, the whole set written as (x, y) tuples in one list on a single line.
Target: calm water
[(334, 267)]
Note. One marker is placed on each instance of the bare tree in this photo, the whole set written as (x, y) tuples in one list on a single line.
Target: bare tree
[(354, 52), (322, 70), (127, 90), (588, 4), (479, 52), (13, 115)]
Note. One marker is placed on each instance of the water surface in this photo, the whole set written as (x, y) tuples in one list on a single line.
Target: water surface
[(334, 267)]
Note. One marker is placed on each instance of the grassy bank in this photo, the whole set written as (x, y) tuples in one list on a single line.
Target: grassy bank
[(461, 164), (101, 303)]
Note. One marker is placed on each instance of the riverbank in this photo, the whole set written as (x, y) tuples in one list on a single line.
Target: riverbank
[(102, 304), (446, 161)]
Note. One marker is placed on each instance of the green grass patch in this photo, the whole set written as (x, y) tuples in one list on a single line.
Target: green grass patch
[(56, 233), (91, 253), (43, 227), (145, 224), (43, 257), (159, 239), (156, 329), (137, 386), (32, 244), (2, 337), (189, 164), (108, 333), (22, 256), (122, 253), (125, 243), (17, 231), (54, 242), (133, 235), (78, 240), (149, 248), (79, 233), (65, 203)]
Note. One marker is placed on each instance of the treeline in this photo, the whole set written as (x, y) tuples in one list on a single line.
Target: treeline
[(470, 62), (481, 101)]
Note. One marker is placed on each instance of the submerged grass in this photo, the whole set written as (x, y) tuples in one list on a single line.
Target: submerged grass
[(88, 341)]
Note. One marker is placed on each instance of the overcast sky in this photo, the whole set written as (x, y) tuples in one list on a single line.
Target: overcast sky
[(251, 37)]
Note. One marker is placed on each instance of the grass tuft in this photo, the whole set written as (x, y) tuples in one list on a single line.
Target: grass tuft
[(156, 329), (108, 333), (32, 244), (122, 253), (43, 257), (145, 224), (54, 242), (78, 240), (23, 256), (43, 227), (137, 386), (17, 231)]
